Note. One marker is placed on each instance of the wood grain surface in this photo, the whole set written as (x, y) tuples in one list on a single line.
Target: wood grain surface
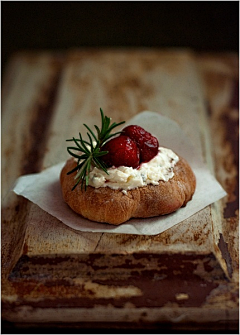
[(183, 278)]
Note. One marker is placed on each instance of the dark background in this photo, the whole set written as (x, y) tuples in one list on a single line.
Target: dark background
[(204, 25)]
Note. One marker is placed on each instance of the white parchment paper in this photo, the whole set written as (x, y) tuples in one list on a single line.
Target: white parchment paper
[(44, 188)]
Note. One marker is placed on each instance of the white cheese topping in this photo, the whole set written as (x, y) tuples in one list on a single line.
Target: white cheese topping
[(127, 178)]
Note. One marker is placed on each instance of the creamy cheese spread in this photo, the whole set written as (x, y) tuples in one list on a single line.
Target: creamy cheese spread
[(127, 178)]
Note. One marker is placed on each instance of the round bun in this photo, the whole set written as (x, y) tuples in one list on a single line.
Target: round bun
[(113, 206)]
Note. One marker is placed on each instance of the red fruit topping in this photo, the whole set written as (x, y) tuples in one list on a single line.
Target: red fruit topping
[(122, 150), (147, 143)]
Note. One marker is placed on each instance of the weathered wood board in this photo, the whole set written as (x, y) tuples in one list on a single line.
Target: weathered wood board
[(51, 274)]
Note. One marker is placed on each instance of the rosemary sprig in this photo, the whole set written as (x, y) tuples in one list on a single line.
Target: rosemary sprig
[(88, 153)]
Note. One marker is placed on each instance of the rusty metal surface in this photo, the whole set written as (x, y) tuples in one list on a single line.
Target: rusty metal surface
[(186, 277)]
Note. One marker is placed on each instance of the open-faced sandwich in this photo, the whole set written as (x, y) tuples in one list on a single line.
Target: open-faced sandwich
[(113, 177)]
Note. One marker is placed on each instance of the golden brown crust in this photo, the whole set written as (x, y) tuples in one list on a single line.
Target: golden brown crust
[(114, 207)]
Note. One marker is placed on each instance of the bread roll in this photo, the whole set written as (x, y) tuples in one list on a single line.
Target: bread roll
[(115, 207)]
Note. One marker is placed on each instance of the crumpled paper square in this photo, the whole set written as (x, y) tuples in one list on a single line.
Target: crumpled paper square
[(44, 188)]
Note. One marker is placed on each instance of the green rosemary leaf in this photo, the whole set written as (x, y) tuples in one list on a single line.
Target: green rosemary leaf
[(98, 132), (81, 169), (84, 144), (113, 135), (73, 154), (105, 126), (100, 153), (92, 133), (81, 156), (101, 165), (91, 142), (74, 148), (76, 142), (87, 153), (102, 117), (74, 186), (73, 170), (88, 171), (114, 125)]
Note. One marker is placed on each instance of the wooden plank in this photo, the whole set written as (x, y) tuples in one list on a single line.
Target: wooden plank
[(28, 94), (221, 83), (107, 67), (57, 265)]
